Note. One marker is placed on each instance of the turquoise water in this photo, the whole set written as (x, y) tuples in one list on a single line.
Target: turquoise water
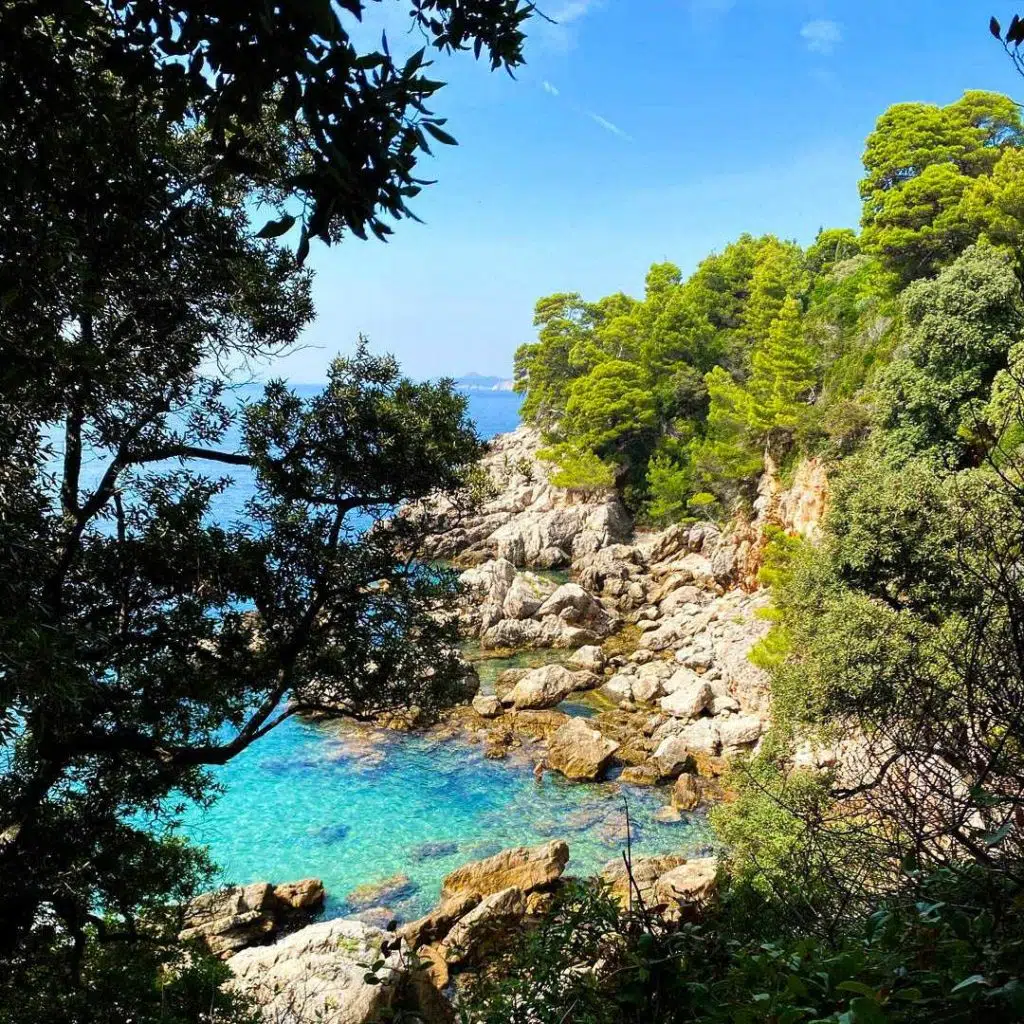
[(355, 806)]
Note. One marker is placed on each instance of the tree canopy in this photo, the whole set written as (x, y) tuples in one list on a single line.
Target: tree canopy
[(155, 619)]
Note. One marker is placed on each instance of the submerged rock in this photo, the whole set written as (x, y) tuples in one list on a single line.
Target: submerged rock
[(429, 851), (388, 890)]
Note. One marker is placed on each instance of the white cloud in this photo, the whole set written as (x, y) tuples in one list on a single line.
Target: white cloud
[(572, 10), (822, 36), (549, 88), (559, 33), (608, 126)]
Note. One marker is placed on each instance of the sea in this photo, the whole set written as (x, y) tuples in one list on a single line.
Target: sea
[(381, 817)]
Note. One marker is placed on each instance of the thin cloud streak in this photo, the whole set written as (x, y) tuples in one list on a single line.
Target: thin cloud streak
[(608, 126), (549, 88)]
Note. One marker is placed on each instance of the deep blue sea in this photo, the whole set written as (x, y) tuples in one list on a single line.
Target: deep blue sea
[(356, 806)]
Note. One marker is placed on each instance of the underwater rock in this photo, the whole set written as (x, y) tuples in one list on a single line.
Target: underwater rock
[(332, 833), (376, 917), (370, 894), (429, 851)]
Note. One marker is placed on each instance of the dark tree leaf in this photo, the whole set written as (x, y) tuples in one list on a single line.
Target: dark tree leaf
[(439, 133), (276, 228)]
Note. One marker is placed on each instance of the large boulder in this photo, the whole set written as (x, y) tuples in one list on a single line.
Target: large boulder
[(551, 631), (683, 889), (232, 919), (693, 791), (487, 705), (590, 657), (513, 634), (737, 732), (487, 925), (488, 585), (579, 752), (525, 867), (525, 595), (542, 687), (433, 927), (687, 700), (700, 737), (571, 603), (645, 870), (673, 757), (619, 688), (319, 973)]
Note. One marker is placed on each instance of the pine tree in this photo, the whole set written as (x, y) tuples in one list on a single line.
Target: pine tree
[(783, 372)]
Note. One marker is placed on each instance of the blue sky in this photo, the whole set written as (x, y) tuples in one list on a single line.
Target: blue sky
[(639, 130)]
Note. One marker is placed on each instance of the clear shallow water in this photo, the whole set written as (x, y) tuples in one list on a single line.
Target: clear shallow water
[(354, 807)]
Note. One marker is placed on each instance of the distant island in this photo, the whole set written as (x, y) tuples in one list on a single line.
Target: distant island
[(481, 382)]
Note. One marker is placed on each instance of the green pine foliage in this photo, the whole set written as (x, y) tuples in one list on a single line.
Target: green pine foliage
[(892, 894), (771, 349)]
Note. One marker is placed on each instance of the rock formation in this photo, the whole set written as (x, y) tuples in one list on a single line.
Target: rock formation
[(319, 973), (525, 867), (231, 919)]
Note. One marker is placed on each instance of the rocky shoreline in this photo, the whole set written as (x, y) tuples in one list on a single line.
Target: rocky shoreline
[(649, 632), (656, 626), (348, 971)]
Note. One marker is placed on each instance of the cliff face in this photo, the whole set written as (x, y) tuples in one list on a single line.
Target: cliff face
[(797, 509)]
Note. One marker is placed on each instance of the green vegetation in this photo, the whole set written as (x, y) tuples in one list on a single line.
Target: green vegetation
[(873, 865), (156, 154), (768, 350)]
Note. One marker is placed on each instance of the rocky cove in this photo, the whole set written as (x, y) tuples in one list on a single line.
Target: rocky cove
[(612, 669)]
